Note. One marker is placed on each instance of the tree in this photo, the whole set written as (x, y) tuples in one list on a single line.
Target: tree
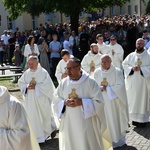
[(68, 7), (148, 7)]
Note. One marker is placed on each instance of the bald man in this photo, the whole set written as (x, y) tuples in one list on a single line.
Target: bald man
[(112, 86), (37, 89), (137, 78)]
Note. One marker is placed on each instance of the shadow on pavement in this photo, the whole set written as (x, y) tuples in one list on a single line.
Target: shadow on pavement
[(145, 132), (51, 144), (125, 147)]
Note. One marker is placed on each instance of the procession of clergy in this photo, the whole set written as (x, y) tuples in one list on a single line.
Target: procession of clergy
[(92, 105)]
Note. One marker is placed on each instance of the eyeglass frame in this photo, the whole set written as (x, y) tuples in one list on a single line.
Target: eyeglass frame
[(71, 68)]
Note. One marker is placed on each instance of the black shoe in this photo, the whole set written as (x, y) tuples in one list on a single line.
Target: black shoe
[(135, 123), (53, 134), (41, 144)]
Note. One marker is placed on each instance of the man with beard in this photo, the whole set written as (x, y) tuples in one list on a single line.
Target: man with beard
[(137, 78), (91, 60)]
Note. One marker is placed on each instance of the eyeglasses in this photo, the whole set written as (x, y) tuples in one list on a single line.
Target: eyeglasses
[(105, 62), (112, 39), (71, 68)]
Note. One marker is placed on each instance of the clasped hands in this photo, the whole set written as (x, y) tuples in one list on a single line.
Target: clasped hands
[(92, 69), (73, 102), (136, 68), (31, 86), (103, 88)]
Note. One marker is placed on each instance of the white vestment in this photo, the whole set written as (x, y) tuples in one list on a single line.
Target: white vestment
[(37, 102), (103, 48), (86, 62), (115, 98), (82, 127), (117, 58), (15, 130), (138, 86), (60, 69)]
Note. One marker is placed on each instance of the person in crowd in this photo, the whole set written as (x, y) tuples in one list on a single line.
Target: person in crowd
[(17, 55), (112, 86), (116, 52), (15, 130), (1, 54), (107, 37), (55, 48), (73, 39), (145, 37), (11, 43), (66, 44), (37, 89), (79, 107), (60, 69), (24, 61), (31, 48), (131, 37), (84, 43), (137, 79), (22, 39), (4, 38), (44, 61), (91, 60)]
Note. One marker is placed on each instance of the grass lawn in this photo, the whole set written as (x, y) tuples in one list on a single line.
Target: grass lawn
[(12, 87)]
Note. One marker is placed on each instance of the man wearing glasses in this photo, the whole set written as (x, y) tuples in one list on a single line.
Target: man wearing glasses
[(116, 52), (79, 106)]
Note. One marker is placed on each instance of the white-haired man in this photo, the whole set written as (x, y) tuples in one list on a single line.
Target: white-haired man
[(37, 89)]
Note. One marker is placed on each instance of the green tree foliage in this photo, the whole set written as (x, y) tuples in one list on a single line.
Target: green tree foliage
[(148, 7), (68, 7)]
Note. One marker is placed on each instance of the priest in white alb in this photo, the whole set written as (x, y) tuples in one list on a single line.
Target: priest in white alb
[(60, 69), (102, 47), (15, 129), (112, 86), (37, 89), (91, 60), (137, 78), (79, 108), (116, 52)]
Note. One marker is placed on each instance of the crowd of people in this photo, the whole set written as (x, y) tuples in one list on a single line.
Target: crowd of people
[(103, 76)]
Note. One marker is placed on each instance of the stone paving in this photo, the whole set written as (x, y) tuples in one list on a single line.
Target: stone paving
[(136, 139)]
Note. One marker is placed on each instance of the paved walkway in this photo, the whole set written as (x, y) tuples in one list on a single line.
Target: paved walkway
[(136, 139)]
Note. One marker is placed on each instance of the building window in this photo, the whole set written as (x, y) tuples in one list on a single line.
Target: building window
[(121, 10), (34, 22), (136, 8), (113, 10), (0, 20), (9, 23), (129, 9)]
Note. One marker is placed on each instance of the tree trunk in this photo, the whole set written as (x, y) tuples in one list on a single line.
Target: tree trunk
[(74, 19)]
